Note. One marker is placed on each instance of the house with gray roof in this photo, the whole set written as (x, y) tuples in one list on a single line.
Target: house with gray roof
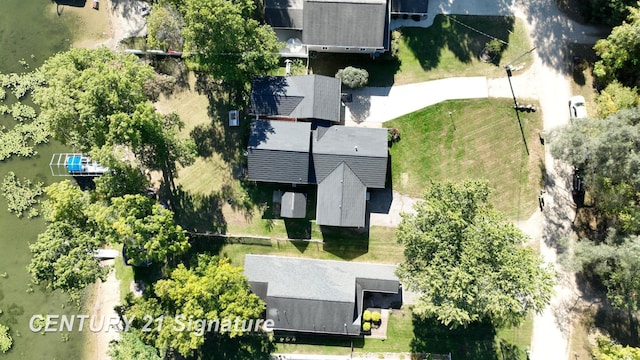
[(347, 161), (317, 296), (342, 161), (350, 26), (305, 97)]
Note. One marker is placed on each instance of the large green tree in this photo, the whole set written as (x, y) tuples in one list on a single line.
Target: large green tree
[(468, 263), (63, 258), (212, 289), (84, 89), (146, 229), (222, 39), (616, 262), (620, 52), (607, 152)]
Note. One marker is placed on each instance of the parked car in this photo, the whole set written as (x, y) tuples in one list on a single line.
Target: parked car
[(577, 107)]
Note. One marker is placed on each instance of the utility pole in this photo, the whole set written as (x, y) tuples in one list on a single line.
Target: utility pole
[(516, 107)]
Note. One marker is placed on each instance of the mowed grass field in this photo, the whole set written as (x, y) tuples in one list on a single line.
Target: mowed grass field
[(451, 47), (476, 139)]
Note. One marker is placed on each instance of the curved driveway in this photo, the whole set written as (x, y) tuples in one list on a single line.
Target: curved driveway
[(548, 82)]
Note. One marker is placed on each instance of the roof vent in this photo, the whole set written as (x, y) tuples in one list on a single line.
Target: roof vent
[(356, 147)]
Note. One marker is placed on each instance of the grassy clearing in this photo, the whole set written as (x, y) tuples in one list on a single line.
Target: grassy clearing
[(411, 335), (378, 246), (448, 48), (124, 274), (481, 139)]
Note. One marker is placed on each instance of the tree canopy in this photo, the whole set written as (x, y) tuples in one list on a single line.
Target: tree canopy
[(164, 24), (467, 261), (222, 39), (619, 53), (130, 347), (211, 289), (607, 153), (96, 99), (146, 229), (85, 88)]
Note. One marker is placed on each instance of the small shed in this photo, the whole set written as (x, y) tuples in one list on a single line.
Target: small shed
[(294, 205)]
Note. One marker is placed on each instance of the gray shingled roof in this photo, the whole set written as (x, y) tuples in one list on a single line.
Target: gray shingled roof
[(342, 199), (364, 150), (279, 151), (354, 23), (409, 6), (284, 14), (293, 205), (301, 97), (311, 295)]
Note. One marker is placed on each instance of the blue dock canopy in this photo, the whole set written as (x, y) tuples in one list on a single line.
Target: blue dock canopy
[(74, 163)]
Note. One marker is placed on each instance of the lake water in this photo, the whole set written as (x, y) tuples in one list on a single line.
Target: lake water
[(30, 30)]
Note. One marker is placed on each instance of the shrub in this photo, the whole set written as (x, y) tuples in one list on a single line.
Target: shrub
[(352, 77), (395, 43), (494, 46), (5, 339), (376, 316), (393, 135), (366, 315), (366, 326), (616, 97)]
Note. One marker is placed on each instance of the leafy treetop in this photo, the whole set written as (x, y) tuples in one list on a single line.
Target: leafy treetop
[(468, 262)]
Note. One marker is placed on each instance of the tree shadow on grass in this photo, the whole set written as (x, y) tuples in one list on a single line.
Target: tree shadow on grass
[(448, 32), (199, 213), (474, 342), (217, 136), (346, 243)]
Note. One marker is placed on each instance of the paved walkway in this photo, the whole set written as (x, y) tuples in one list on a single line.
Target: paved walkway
[(372, 106)]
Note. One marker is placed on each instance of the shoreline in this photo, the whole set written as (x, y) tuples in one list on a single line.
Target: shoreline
[(103, 298), (107, 26)]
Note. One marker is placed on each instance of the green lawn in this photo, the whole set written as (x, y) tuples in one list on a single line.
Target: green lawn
[(481, 139), (448, 48), (378, 246), (407, 334), (124, 274)]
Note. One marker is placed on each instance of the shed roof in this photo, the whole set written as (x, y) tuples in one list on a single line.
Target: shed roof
[(293, 205)]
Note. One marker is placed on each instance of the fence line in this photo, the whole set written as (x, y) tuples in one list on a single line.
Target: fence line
[(248, 239)]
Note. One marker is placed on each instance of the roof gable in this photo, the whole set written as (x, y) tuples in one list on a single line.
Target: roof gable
[(342, 199), (363, 150), (304, 97)]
